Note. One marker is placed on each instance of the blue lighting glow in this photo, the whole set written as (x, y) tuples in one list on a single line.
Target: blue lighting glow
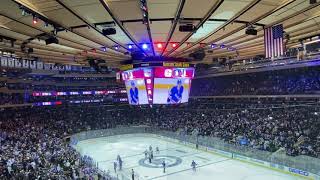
[(130, 46), (144, 46)]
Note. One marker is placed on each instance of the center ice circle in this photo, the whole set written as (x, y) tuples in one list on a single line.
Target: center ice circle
[(157, 161)]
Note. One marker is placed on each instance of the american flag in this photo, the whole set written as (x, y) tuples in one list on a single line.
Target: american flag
[(273, 41)]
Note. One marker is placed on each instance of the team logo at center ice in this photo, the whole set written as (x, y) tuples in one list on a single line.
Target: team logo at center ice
[(157, 161)]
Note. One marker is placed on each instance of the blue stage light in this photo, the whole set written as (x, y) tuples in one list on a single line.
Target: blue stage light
[(144, 46), (130, 46)]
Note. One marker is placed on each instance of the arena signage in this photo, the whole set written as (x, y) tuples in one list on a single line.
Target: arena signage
[(176, 64), (298, 171), (126, 67)]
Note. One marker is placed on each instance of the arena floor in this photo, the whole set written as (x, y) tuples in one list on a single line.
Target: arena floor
[(179, 157)]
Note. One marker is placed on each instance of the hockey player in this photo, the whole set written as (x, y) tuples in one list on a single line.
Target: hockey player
[(151, 154), (164, 166), (120, 163), (150, 148), (146, 154), (115, 166), (132, 174), (194, 165), (157, 150), (150, 159)]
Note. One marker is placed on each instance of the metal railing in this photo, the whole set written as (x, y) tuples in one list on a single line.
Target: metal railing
[(304, 163)]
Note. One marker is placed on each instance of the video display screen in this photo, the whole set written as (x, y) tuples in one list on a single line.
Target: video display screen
[(171, 91), (135, 86), (136, 91), (158, 85)]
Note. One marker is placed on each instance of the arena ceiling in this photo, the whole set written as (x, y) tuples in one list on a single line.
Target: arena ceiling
[(216, 21)]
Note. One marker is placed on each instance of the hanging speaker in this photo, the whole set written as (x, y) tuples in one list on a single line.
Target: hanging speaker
[(186, 28), (313, 1), (109, 31)]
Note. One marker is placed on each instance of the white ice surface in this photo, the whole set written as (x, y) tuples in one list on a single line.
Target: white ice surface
[(211, 167)]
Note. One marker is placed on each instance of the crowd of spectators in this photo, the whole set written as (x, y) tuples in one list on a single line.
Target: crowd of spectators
[(12, 98), (32, 145), (280, 82), (20, 90), (298, 81), (262, 128), (33, 141)]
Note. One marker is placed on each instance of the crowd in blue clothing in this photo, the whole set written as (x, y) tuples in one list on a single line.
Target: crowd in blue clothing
[(278, 82)]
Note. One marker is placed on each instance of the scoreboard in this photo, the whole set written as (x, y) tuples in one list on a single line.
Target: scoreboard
[(158, 84), (158, 72)]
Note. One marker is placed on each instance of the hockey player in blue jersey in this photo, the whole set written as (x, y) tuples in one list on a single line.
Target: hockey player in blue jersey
[(164, 166), (119, 162), (115, 166), (175, 93), (134, 93), (194, 165)]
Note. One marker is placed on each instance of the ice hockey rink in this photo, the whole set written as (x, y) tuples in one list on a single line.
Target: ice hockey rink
[(210, 166)]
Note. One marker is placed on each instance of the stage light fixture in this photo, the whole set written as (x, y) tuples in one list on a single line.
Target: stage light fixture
[(213, 46), (116, 47), (46, 24), (159, 45), (174, 45), (222, 46), (130, 46), (104, 49), (23, 13), (144, 8), (34, 20), (313, 1), (144, 46)]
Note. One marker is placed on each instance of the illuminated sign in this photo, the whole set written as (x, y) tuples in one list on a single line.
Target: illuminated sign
[(126, 67), (176, 64), (162, 72)]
